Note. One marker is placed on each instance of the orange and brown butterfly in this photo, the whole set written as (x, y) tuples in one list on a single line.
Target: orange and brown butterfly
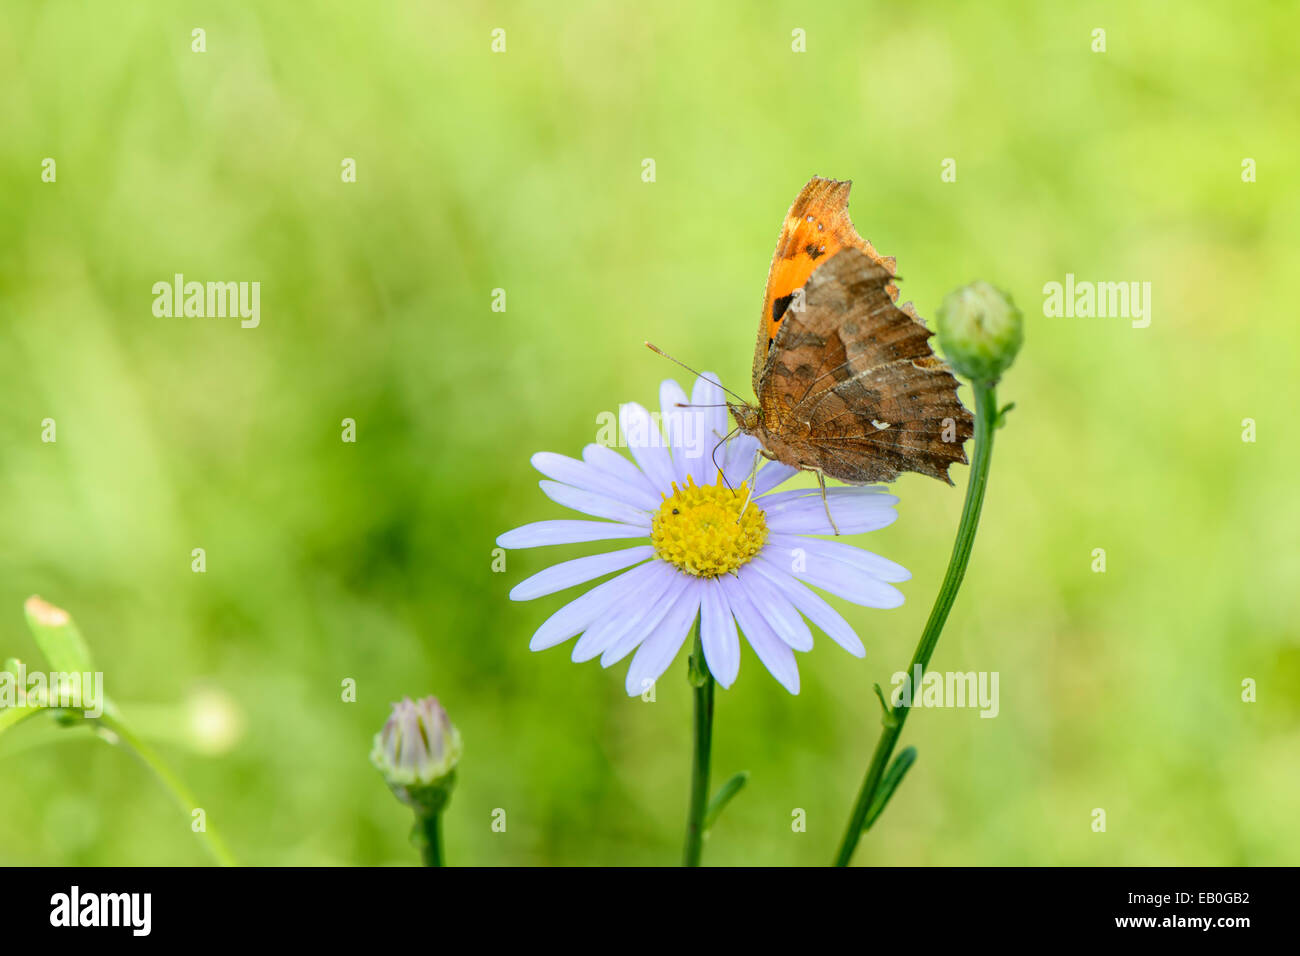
[(846, 382)]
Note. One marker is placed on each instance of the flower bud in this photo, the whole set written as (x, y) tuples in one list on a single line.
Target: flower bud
[(980, 331), (417, 752)]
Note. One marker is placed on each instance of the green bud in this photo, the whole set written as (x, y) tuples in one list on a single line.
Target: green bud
[(980, 331), (417, 752), (57, 636)]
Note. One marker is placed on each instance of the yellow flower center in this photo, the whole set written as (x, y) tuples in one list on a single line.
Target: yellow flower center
[(703, 532)]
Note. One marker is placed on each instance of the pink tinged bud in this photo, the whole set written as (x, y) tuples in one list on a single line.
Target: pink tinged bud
[(417, 751)]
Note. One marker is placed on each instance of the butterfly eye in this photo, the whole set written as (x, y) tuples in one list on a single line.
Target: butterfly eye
[(676, 512)]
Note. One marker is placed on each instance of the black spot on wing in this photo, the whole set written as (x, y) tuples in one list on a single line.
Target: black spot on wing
[(780, 305), (813, 252)]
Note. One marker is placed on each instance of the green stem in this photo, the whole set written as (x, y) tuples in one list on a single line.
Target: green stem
[(428, 828), (703, 683), (985, 420), (180, 793)]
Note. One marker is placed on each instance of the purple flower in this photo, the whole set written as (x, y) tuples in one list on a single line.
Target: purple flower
[(739, 561)]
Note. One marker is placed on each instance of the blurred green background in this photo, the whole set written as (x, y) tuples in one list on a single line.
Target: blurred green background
[(522, 171)]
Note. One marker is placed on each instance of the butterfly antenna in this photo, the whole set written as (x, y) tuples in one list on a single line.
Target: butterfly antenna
[(655, 348)]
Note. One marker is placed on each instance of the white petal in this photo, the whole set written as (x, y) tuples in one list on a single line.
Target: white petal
[(854, 514), (658, 650), (541, 533), (879, 494), (593, 504), (576, 616), (772, 474), (775, 653), (873, 564), (710, 413), (677, 427), (619, 621), (718, 633), (567, 574), (646, 443), (582, 475), (624, 645), (812, 606), (840, 579), (610, 462), (782, 616)]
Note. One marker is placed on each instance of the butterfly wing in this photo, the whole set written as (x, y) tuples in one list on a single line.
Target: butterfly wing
[(852, 380), (816, 227)]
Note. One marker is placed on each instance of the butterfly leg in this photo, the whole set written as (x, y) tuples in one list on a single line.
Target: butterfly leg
[(821, 480)]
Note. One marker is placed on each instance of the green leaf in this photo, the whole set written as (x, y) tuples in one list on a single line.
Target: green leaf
[(57, 636), (888, 784), (723, 797)]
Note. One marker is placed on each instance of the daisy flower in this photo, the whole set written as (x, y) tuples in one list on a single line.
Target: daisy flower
[(738, 559)]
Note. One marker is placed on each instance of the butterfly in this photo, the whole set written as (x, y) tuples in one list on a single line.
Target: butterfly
[(847, 385)]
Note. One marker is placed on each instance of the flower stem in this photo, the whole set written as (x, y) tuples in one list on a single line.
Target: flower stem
[(702, 681), (985, 422), (180, 793), (428, 834)]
